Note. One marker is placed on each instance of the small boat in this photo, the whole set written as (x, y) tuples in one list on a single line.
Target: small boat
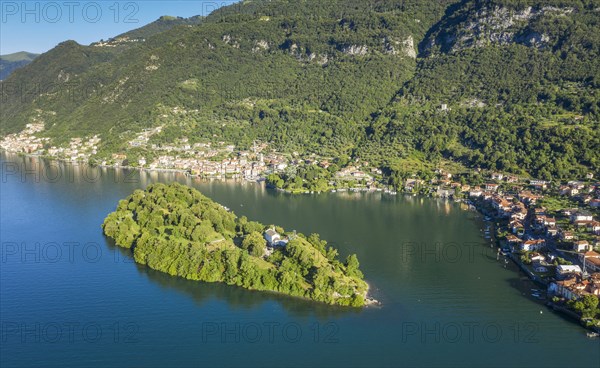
[(592, 335)]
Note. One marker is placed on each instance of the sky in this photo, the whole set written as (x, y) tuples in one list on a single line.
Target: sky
[(38, 26)]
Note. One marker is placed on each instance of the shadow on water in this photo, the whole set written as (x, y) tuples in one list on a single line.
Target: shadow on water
[(236, 297), (526, 287)]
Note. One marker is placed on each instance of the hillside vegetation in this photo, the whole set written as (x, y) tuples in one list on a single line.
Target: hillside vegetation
[(359, 79), (177, 230)]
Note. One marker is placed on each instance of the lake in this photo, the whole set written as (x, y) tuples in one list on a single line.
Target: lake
[(69, 297)]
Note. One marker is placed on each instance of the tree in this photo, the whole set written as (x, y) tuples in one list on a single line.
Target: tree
[(352, 267), (590, 302), (182, 247), (255, 244)]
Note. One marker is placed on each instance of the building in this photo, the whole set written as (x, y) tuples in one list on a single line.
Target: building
[(528, 197), (491, 187), (581, 216), (595, 284), (517, 227), (497, 176), (534, 244), (592, 261), (568, 288), (539, 184), (552, 231), (581, 246), (566, 235), (594, 227), (565, 271), (272, 237), (476, 192), (513, 241)]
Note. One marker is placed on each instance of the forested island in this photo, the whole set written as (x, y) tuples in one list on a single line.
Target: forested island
[(177, 230)]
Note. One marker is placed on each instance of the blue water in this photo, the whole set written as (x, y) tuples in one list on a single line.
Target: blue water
[(71, 298)]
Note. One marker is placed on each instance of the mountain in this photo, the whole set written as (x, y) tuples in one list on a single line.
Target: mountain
[(162, 24), (11, 62), (139, 35), (521, 80), (518, 81)]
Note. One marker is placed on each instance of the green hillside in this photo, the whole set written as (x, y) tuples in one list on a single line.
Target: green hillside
[(343, 78), (521, 83), (162, 24)]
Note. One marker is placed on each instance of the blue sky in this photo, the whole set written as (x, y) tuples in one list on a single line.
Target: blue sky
[(38, 26)]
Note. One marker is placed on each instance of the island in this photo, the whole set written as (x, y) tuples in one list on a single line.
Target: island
[(177, 230)]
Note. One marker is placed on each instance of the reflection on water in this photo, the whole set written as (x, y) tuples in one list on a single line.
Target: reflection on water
[(236, 297), (425, 259)]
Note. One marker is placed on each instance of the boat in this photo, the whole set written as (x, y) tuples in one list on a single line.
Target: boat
[(592, 335)]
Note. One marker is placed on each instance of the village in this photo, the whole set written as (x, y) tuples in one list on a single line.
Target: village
[(557, 246), (551, 230), (218, 160)]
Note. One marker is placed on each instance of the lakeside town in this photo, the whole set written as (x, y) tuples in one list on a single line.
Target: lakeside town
[(208, 160), (549, 229)]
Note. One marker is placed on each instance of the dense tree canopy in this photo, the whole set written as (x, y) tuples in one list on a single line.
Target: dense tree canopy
[(177, 230)]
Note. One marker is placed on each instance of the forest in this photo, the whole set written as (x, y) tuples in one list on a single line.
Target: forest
[(361, 79), (177, 230)]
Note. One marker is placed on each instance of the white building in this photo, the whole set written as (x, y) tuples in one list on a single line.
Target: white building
[(272, 237)]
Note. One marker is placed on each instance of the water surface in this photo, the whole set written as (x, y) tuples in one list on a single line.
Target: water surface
[(71, 298)]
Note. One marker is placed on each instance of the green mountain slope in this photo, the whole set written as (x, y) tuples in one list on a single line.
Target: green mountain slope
[(521, 82), (162, 24), (12, 62), (266, 65), (357, 78)]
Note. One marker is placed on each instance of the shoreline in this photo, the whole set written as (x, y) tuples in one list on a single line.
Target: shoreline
[(133, 168), (369, 300), (186, 173), (573, 316)]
